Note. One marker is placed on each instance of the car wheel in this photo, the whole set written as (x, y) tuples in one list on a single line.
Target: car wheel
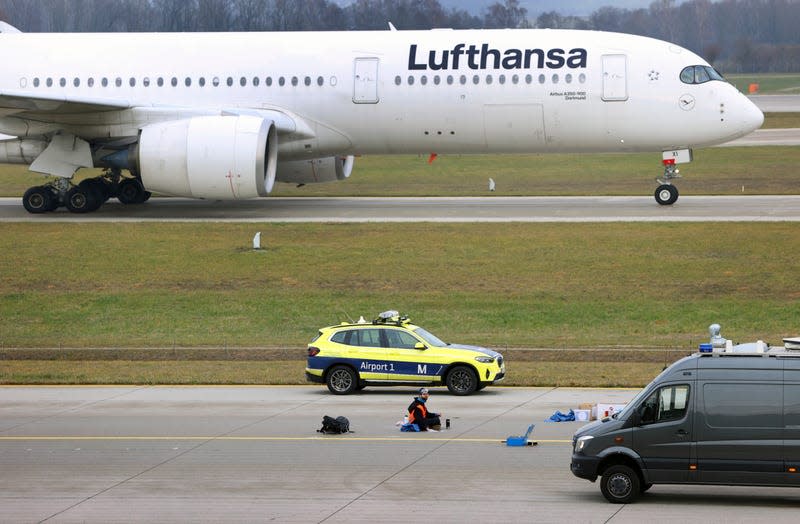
[(462, 380), (620, 484), (342, 380)]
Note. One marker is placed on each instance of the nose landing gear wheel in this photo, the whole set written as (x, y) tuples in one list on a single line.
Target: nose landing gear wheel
[(666, 194)]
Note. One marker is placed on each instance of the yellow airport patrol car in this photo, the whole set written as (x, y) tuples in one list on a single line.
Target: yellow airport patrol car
[(390, 351)]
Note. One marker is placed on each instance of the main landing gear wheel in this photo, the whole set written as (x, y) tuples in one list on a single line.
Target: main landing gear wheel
[(39, 199), (131, 191), (666, 194), (81, 199)]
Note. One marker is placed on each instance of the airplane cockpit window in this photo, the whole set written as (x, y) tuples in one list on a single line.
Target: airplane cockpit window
[(700, 74)]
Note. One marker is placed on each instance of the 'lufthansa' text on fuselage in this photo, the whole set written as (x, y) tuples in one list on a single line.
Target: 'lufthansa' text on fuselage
[(484, 57)]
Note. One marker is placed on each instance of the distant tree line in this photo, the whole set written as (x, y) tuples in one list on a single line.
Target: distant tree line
[(735, 35)]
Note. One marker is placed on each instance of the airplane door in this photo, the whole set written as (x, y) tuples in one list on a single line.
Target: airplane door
[(615, 78), (365, 81)]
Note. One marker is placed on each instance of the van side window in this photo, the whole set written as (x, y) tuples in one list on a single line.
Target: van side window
[(668, 403)]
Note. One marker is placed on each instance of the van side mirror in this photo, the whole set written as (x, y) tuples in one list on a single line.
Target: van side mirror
[(420, 345)]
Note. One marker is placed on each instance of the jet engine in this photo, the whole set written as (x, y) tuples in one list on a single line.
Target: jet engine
[(214, 157), (314, 171)]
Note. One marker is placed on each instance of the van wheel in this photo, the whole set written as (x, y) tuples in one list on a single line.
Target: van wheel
[(620, 484), (342, 380)]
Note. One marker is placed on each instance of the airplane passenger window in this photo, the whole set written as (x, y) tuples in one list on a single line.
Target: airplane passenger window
[(568, 78), (146, 82), (555, 78), (476, 79), (118, 82), (463, 79), (515, 79), (132, 82), (174, 81), (449, 80), (488, 79), (582, 78), (268, 81), (423, 80), (307, 81), (49, 82), (215, 81), (410, 80), (202, 81), (502, 79), (256, 81), (160, 81), (103, 82), (229, 81), (187, 82), (397, 80), (62, 82), (36, 82), (436, 79), (281, 81), (528, 79), (320, 81), (76, 82), (294, 81), (90, 81), (542, 79), (242, 81)]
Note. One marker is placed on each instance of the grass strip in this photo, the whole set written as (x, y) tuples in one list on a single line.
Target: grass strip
[(545, 373)]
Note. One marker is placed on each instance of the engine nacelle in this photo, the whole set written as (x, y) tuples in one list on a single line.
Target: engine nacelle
[(17, 151), (315, 171), (215, 157)]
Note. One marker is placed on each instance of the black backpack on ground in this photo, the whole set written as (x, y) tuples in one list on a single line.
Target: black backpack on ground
[(334, 426)]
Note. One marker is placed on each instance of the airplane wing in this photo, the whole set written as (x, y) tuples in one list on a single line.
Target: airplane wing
[(48, 109), (13, 102)]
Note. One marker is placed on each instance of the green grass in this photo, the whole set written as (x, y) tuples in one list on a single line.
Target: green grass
[(503, 285), (776, 83), (547, 373)]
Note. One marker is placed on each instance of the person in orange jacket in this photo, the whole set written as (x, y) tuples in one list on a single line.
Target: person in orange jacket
[(418, 413)]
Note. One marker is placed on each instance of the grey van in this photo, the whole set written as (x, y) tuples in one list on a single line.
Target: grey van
[(729, 414)]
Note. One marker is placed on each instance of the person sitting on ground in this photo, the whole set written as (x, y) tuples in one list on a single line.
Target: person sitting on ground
[(418, 413)]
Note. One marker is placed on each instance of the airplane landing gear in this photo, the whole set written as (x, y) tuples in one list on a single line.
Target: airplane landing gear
[(667, 194), (87, 196)]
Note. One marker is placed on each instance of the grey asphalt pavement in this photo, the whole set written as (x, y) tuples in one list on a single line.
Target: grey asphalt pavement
[(432, 209), (244, 454)]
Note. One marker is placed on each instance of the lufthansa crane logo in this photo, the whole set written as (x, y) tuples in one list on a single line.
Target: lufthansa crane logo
[(686, 102)]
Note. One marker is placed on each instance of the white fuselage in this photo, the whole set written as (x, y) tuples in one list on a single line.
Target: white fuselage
[(351, 93)]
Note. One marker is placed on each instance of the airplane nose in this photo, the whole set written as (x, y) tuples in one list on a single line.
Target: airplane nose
[(752, 116)]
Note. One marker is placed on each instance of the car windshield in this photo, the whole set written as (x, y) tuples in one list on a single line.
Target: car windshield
[(430, 338)]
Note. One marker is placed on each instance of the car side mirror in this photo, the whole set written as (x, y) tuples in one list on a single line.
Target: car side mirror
[(420, 345)]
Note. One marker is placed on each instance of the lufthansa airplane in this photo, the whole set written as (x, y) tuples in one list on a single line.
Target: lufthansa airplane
[(224, 115)]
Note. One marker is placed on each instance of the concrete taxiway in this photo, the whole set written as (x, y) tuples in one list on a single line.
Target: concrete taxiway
[(236, 454), (432, 209)]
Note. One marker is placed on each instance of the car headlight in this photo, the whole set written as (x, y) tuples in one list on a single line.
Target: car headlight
[(582, 442), (485, 360)]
